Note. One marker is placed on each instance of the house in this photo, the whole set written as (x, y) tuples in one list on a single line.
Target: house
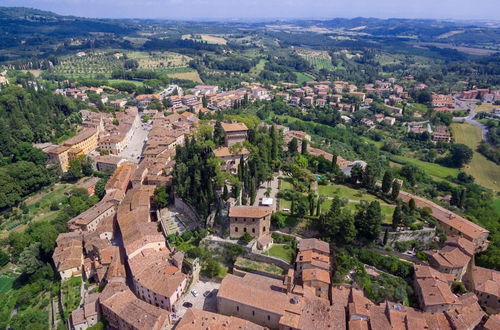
[(118, 104), (89, 185), (87, 315), (320, 102), (389, 120), (68, 255), (234, 133), (231, 158), (440, 100), (450, 260), (198, 319), (308, 100), (254, 220), (359, 95), (468, 316), (90, 219), (441, 134), (485, 283), (123, 310), (315, 245), (318, 280), (108, 163), (433, 290), (311, 260)]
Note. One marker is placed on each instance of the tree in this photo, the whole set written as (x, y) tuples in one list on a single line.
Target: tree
[(386, 237), (356, 174), (218, 133), (369, 177), (412, 206), (212, 268), (304, 147), (29, 260), (369, 220), (338, 224), (225, 193), (311, 197), (293, 146), (397, 217), (387, 181), (246, 238), (161, 197), (100, 188), (460, 155), (131, 64), (395, 190)]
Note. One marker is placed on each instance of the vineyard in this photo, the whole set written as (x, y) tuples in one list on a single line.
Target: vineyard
[(319, 59), (102, 64)]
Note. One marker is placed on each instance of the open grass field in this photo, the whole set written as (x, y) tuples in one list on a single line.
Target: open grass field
[(302, 77), (191, 75), (486, 107), (432, 169), (282, 251), (485, 171), (256, 70)]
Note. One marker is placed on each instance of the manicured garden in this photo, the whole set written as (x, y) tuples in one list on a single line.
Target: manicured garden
[(282, 251)]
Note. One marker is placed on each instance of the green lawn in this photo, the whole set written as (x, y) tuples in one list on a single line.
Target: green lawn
[(282, 251), (5, 283), (258, 68), (486, 172), (250, 265), (433, 169), (303, 77)]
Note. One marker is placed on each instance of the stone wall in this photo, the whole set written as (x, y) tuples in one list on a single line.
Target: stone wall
[(425, 235), (187, 209)]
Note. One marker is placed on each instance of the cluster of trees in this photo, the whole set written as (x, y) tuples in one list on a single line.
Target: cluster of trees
[(491, 148), (32, 251), (197, 176), (342, 226)]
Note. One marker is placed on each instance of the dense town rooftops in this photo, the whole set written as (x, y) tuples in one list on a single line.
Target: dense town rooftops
[(254, 212), (450, 256), (486, 280)]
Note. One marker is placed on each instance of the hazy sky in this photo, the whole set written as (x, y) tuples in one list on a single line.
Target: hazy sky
[(186, 9)]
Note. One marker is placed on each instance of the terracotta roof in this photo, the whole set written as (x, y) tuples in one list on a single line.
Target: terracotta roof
[(493, 322), (447, 217), (255, 212), (464, 244), (80, 136), (436, 292), (469, 315), (234, 127), (195, 319), (358, 325), (314, 244), (226, 152), (422, 272), (260, 292), (486, 280), (320, 275), (315, 259), (449, 256), (135, 312)]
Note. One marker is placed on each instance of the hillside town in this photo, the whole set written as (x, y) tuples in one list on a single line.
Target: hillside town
[(121, 244)]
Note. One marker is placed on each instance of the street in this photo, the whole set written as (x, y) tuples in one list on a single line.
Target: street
[(470, 118), (133, 150)]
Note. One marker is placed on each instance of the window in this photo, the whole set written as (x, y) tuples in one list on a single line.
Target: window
[(237, 308), (269, 317), (245, 229), (253, 313), (236, 229), (253, 230), (264, 229)]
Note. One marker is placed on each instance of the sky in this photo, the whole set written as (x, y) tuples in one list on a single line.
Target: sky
[(266, 9)]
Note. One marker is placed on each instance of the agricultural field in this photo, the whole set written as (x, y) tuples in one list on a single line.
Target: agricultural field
[(319, 59), (104, 63), (485, 171), (190, 75), (258, 68), (302, 77), (209, 38)]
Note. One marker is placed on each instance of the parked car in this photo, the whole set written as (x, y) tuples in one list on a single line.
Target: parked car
[(187, 304), (207, 294), (194, 293)]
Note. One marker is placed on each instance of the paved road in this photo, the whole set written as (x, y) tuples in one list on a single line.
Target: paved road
[(134, 148), (273, 184)]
